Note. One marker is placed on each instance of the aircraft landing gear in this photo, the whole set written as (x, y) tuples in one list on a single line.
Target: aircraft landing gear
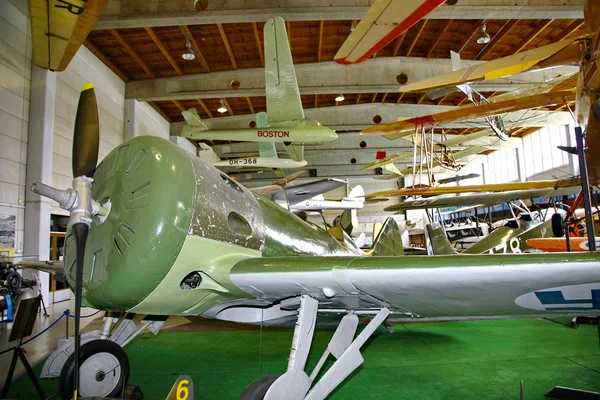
[(295, 384), (103, 371)]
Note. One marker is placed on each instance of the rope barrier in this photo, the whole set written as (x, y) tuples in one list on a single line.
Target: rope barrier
[(66, 313)]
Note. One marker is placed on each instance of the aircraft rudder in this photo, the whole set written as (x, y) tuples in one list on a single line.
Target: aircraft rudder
[(437, 240)]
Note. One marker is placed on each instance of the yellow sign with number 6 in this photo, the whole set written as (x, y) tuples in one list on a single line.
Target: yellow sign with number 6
[(183, 389)]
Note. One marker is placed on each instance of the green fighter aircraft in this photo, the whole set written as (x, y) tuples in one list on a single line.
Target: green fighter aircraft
[(284, 121), (155, 230)]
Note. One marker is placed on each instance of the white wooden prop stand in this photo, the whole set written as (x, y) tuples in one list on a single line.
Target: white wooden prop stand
[(295, 384)]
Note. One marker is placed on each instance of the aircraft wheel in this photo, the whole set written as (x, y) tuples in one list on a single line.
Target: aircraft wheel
[(558, 228), (258, 389), (596, 108), (103, 371)]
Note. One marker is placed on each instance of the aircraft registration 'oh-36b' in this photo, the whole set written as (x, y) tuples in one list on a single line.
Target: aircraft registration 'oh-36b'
[(155, 230), (284, 121)]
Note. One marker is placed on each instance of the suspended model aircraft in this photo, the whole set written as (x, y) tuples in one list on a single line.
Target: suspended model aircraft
[(309, 196), (59, 28), (384, 22), (156, 230), (286, 122)]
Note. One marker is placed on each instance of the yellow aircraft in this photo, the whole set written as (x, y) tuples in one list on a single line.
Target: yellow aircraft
[(60, 27)]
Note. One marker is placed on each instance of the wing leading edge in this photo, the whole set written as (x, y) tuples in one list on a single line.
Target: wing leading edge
[(432, 287)]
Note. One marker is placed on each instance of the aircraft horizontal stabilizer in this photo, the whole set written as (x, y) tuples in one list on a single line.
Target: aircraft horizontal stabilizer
[(192, 119)]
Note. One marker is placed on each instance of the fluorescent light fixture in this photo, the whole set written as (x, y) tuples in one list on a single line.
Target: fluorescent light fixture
[(189, 54), (222, 109), (482, 36), (340, 98)]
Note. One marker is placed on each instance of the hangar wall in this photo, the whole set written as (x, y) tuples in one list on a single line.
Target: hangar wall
[(15, 80)]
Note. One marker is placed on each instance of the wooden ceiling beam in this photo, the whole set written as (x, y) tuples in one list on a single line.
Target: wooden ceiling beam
[(470, 37), (383, 98), (400, 96), (398, 44), (463, 101), (373, 97), (160, 111), (358, 98), (497, 38), (196, 48), (206, 110), (412, 45), (537, 29), (163, 50), (569, 30), (316, 100), (179, 105), (132, 53), (250, 105), (107, 61), (439, 37), (227, 46), (441, 100), (423, 96), (320, 41), (258, 45)]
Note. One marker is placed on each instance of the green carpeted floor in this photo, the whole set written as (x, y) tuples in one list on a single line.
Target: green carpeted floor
[(453, 360)]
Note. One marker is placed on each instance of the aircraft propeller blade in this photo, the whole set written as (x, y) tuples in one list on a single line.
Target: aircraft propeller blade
[(80, 233), (86, 137)]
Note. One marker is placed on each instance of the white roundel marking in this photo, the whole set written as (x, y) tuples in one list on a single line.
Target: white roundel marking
[(567, 298)]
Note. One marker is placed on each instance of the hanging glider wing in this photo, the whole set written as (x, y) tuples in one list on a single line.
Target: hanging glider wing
[(482, 199), (566, 52), (60, 28), (385, 21), (394, 130), (496, 187)]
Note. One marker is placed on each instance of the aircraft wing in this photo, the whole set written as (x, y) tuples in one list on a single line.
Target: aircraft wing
[(305, 191), (283, 95), (481, 199), (394, 130), (59, 28), (469, 151), (495, 187), (427, 286), (565, 52), (384, 22)]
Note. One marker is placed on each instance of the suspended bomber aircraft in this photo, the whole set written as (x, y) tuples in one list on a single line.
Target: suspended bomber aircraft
[(59, 28), (156, 230), (286, 122)]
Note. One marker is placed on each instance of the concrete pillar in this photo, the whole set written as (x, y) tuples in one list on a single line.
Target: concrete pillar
[(39, 169), (521, 171), (132, 118)]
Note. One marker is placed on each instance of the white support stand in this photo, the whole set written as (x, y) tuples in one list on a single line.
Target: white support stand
[(295, 384)]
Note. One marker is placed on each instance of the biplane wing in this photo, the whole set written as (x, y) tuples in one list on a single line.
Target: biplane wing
[(481, 199), (398, 129), (565, 52), (494, 187), (385, 21), (469, 151), (59, 28)]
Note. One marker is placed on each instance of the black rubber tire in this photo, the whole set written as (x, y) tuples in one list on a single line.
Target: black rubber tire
[(65, 382), (258, 389), (596, 108), (558, 227)]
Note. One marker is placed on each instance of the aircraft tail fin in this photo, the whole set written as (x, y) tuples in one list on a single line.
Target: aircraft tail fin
[(357, 193), (295, 151), (389, 240), (465, 88), (283, 95), (267, 149), (207, 153), (437, 240), (192, 119), (347, 220), (361, 240)]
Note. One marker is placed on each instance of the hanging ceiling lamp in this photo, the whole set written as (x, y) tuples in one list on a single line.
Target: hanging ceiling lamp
[(222, 109), (482, 36), (189, 54), (339, 98)]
